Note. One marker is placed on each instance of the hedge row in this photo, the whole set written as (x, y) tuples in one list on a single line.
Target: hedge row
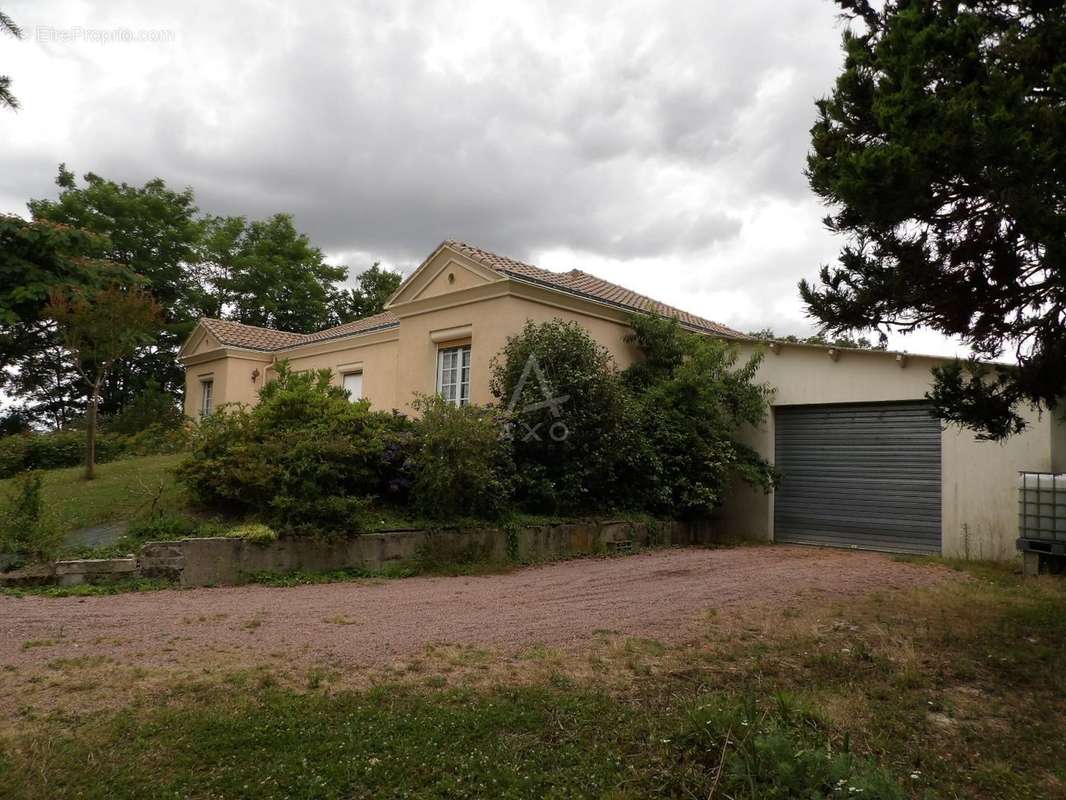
[(59, 449)]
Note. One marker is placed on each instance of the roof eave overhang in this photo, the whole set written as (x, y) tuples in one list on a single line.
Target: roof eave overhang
[(226, 351)]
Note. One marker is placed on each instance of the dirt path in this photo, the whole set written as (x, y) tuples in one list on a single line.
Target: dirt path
[(658, 595)]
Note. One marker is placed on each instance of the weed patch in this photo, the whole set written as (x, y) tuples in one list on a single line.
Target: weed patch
[(90, 589)]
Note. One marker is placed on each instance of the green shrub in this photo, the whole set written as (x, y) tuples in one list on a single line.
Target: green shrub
[(13, 454), (693, 400), (157, 440), (254, 532), (64, 448), (574, 428), (26, 533), (461, 463), (306, 459)]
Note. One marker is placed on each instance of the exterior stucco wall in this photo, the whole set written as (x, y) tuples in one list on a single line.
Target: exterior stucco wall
[(479, 322), (232, 378), (979, 501), (610, 333), (400, 363), (487, 324), (980, 492), (375, 355)]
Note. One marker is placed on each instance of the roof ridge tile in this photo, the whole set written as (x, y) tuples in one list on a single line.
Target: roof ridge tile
[(591, 286)]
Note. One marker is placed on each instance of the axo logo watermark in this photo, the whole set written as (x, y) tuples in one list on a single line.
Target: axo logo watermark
[(534, 431)]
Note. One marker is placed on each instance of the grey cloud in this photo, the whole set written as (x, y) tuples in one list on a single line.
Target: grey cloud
[(640, 145)]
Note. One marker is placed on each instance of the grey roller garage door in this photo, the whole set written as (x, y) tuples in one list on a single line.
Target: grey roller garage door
[(864, 475)]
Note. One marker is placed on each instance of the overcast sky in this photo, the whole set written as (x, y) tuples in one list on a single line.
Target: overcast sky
[(657, 145)]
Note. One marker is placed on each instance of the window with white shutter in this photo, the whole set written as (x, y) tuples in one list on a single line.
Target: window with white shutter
[(353, 384)]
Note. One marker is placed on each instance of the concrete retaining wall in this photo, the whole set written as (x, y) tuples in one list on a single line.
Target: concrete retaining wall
[(222, 561), (71, 573), (94, 570)]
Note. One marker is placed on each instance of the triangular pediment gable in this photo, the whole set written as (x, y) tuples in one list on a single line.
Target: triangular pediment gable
[(445, 271), (200, 341)]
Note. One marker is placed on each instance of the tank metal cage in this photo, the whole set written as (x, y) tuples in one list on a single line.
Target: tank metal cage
[(1042, 512)]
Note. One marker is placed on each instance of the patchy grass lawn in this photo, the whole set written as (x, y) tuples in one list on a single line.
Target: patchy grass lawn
[(953, 691), (121, 490)]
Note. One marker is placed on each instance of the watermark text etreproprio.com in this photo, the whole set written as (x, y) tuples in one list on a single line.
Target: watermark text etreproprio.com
[(77, 34)]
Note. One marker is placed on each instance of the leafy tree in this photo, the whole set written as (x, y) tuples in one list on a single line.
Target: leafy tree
[(35, 258), (272, 276), (940, 152), (14, 421), (153, 232), (574, 428), (220, 246), (100, 327), (694, 400), (8, 26), (376, 286), (47, 382), (261, 273)]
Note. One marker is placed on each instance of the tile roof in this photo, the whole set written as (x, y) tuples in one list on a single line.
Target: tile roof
[(252, 337), (576, 282), (236, 334), (585, 285), (384, 320)]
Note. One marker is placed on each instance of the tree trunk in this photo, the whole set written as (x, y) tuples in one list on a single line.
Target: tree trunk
[(90, 432)]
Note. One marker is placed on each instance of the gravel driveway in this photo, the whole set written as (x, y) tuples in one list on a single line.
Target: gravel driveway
[(659, 595)]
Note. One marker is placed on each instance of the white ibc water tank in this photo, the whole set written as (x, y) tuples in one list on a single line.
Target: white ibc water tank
[(1042, 506)]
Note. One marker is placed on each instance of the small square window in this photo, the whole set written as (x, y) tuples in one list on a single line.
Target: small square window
[(453, 374)]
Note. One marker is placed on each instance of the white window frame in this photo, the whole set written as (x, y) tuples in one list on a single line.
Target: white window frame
[(453, 374), (207, 396), (344, 381)]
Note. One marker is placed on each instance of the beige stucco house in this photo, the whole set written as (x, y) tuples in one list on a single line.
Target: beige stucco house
[(864, 463)]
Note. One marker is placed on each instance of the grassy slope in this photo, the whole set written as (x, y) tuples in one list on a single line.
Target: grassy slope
[(956, 691), (120, 491)]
